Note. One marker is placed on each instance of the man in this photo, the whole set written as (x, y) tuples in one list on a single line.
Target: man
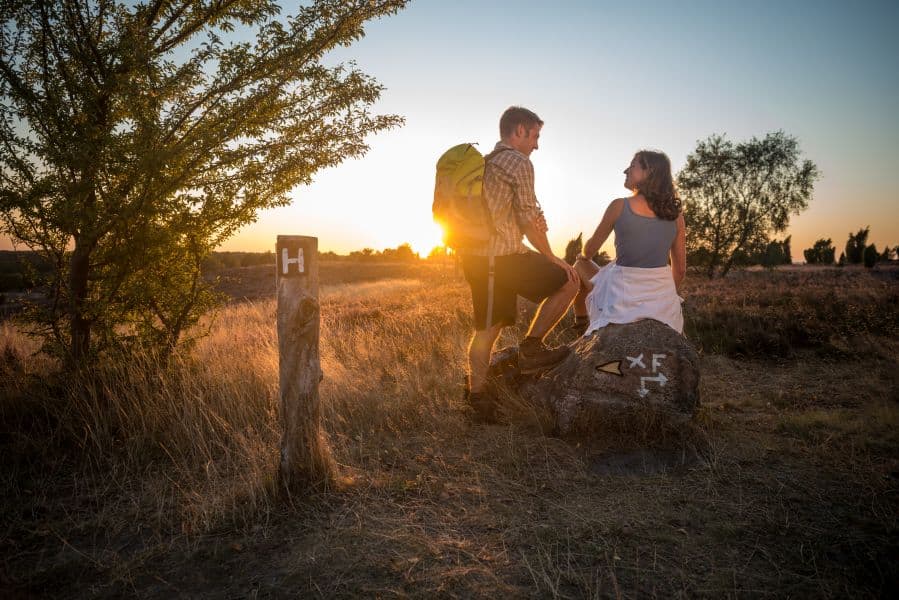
[(539, 277)]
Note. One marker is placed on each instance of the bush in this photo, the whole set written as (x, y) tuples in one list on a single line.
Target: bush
[(11, 282), (822, 253), (855, 246), (871, 256)]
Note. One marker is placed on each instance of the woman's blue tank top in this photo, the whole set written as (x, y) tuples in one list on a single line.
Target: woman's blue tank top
[(642, 241)]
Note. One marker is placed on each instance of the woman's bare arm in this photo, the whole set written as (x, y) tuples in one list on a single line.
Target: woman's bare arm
[(604, 229)]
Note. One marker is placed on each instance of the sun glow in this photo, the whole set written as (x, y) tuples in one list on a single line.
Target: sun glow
[(425, 238)]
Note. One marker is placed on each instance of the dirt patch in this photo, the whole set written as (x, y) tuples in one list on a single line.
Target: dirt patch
[(646, 461)]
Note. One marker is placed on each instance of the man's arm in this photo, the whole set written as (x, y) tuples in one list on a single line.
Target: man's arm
[(530, 218), (536, 235)]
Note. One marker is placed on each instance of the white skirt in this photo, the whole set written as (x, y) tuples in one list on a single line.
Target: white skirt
[(628, 294)]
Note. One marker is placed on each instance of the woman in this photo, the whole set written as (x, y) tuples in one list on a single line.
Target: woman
[(649, 228)]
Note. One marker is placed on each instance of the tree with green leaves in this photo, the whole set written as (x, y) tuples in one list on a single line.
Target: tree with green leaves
[(855, 246), (737, 194), (821, 253), (777, 252), (137, 136)]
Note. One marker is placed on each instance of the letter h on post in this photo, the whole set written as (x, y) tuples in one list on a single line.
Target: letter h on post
[(286, 261)]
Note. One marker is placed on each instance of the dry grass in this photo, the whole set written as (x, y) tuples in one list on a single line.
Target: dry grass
[(837, 312), (159, 481)]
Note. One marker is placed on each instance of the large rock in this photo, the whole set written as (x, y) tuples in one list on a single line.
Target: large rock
[(643, 368)]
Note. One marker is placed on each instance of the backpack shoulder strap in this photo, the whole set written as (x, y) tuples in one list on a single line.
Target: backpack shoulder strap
[(495, 153)]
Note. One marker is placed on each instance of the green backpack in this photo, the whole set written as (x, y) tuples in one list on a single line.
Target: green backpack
[(459, 204)]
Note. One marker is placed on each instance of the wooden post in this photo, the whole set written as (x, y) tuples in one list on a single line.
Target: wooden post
[(305, 455)]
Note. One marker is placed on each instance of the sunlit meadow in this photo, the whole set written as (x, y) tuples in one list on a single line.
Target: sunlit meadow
[(161, 479)]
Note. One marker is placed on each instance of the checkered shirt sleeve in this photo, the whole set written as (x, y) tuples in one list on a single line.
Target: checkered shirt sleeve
[(509, 188)]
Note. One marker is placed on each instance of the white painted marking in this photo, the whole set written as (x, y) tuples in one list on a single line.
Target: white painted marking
[(636, 361), (286, 261), (660, 379), (657, 362)]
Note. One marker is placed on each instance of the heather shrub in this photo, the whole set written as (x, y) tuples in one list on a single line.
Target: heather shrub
[(871, 255), (775, 315)]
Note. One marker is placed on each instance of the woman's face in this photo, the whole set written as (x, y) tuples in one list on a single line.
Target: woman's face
[(635, 175)]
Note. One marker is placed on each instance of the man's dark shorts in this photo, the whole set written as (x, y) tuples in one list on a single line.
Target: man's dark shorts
[(530, 275)]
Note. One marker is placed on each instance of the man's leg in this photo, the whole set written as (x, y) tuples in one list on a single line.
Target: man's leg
[(552, 309), (479, 351), (539, 280), (486, 333), (533, 355)]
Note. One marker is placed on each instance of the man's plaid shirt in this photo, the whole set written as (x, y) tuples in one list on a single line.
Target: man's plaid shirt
[(509, 190)]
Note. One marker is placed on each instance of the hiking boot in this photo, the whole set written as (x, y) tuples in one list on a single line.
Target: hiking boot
[(580, 326), (481, 407), (534, 356)]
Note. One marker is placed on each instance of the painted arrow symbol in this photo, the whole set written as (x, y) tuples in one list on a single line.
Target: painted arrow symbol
[(660, 379), (613, 367)]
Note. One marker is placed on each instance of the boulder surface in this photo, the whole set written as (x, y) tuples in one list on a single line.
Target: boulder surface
[(643, 368)]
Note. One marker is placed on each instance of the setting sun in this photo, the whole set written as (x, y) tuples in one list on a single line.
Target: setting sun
[(424, 239)]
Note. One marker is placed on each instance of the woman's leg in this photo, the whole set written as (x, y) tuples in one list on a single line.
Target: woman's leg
[(586, 269)]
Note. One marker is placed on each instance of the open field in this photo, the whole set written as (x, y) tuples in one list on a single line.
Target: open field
[(795, 494)]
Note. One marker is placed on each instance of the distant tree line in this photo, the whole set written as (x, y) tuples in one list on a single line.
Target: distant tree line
[(857, 251), (402, 253), (231, 260), (27, 270), (217, 261)]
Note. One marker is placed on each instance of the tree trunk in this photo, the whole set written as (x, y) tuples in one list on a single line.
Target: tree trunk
[(80, 327), (713, 262), (305, 456), (726, 267)]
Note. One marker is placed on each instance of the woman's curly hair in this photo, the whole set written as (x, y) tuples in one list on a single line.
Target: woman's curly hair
[(658, 189)]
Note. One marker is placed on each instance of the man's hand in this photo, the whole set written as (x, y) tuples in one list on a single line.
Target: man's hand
[(535, 231), (570, 272)]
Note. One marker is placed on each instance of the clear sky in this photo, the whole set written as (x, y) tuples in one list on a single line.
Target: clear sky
[(609, 78)]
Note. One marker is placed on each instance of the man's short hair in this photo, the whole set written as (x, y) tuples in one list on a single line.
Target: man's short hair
[(515, 116)]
